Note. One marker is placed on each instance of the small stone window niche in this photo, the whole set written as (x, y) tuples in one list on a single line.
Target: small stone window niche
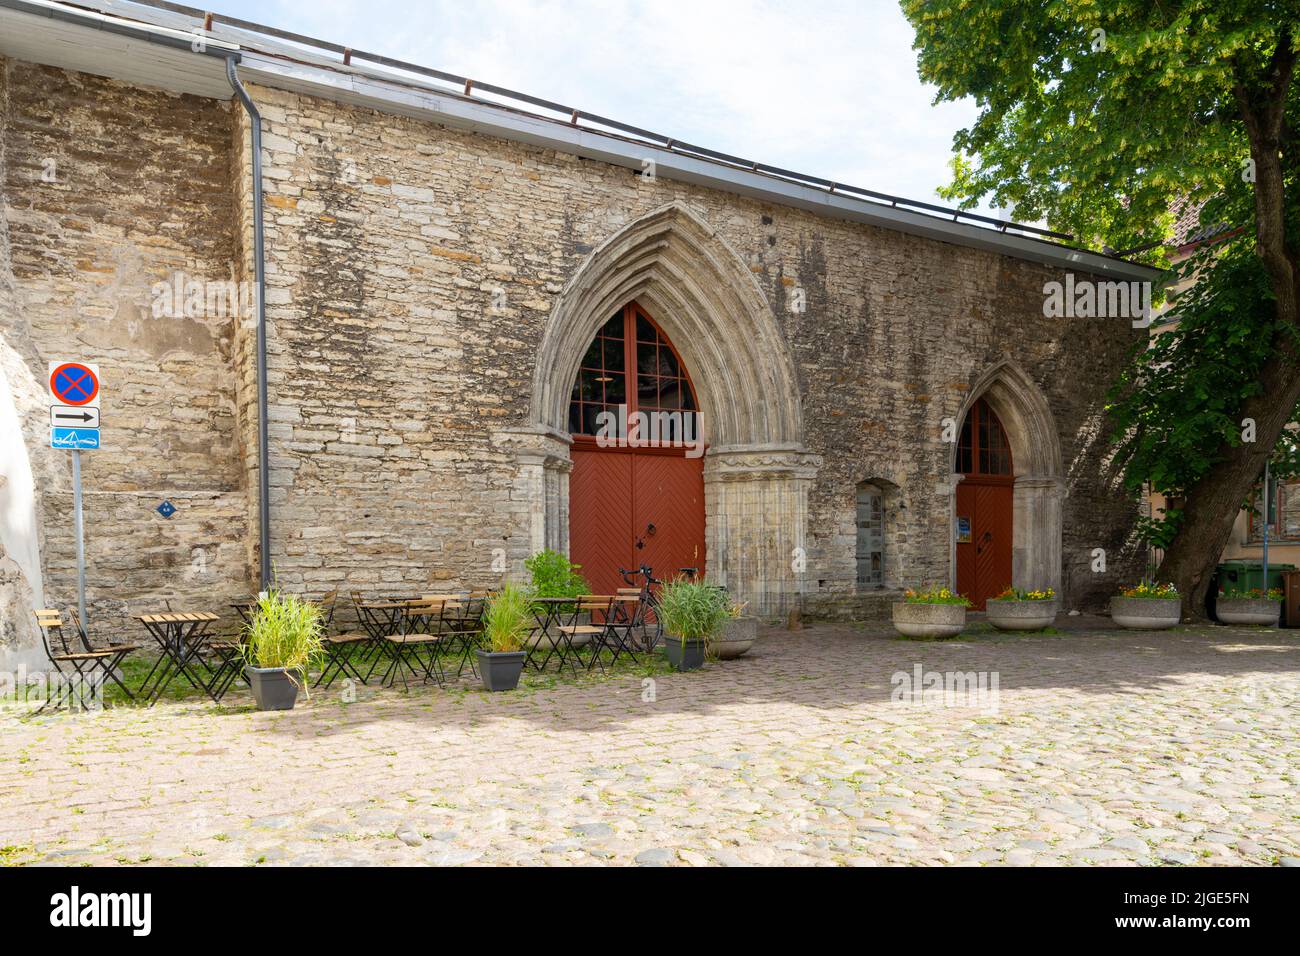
[(878, 506), (871, 537)]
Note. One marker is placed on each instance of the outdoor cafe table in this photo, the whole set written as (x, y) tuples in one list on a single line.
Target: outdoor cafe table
[(547, 612), (181, 635)]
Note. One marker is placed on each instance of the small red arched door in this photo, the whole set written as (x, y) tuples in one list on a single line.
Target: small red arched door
[(984, 506), (636, 493)]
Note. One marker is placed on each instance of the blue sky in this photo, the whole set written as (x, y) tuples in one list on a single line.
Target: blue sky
[(825, 87)]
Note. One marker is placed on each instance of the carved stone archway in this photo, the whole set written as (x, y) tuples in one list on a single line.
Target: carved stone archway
[(757, 472), (1039, 495)]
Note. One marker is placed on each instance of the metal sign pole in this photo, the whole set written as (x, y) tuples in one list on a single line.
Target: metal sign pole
[(1268, 511), (81, 542)]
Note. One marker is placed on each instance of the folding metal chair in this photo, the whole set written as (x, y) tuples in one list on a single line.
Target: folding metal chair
[(78, 670), (416, 643), (462, 628), (614, 633), (120, 650), (229, 651), (340, 648)]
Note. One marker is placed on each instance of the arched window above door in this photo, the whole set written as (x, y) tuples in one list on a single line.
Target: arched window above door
[(983, 448), (630, 363)]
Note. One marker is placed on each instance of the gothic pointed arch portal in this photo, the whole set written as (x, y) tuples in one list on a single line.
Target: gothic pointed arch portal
[(636, 492), (709, 306), (1007, 488)]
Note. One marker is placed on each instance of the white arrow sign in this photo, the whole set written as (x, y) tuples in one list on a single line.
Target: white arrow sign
[(74, 416)]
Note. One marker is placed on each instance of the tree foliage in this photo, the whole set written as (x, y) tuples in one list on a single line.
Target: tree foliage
[(1100, 117)]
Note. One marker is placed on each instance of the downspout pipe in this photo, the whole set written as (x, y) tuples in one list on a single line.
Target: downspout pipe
[(259, 265)]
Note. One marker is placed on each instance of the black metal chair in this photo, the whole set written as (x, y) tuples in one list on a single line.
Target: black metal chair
[(341, 648), (414, 645), (80, 666), (462, 628)]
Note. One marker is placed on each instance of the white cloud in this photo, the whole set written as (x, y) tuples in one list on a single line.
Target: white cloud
[(826, 88)]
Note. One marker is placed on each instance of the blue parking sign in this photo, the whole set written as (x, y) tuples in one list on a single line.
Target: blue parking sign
[(78, 438)]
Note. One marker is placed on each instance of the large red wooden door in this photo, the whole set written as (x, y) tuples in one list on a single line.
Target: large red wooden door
[(600, 517), (984, 507), (631, 505)]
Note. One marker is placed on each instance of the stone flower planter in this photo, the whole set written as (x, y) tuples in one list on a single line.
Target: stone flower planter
[(1263, 611), (1020, 615), (1146, 614), (929, 620), (736, 637)]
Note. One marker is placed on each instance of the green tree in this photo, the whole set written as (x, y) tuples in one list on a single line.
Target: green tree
[(1098, 117)]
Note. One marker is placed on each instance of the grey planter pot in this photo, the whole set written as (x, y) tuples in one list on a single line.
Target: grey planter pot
[(274, 688), (1020, 615), (684, 655), (1263, 611), (1146, 614), (736, 638), (500, 670), (929, 620)]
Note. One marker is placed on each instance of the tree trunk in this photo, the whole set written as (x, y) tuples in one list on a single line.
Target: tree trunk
[(1212, 504)]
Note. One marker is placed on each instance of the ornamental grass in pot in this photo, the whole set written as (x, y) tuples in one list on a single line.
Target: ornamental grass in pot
[(507, 622), (1249, 606), (1016, 609), (933, 612), (691, 613), (282, 639), (1148, 606)]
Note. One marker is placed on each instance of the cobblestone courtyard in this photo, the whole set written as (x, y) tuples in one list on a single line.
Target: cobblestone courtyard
[(1105, 747)]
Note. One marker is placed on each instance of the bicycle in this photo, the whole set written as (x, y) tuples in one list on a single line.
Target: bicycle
[(647, 611)]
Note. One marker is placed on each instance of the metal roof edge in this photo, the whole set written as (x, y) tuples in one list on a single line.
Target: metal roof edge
[(466, 113)]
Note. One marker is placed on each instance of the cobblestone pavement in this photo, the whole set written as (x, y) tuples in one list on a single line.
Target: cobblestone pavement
[(1105, 747)]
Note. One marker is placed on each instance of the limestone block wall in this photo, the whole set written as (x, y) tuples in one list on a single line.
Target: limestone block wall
[(108, 190), (412, 271), (415, 268)]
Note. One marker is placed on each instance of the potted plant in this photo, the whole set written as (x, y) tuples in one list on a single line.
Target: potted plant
[(507, 620), (1016, 609), (553, 575), (1249, 606), (283, 636), (933, 612), (737, 634), (691, 613), (1148, 606)]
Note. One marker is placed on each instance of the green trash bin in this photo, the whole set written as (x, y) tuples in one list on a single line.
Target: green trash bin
[(1244, 575)]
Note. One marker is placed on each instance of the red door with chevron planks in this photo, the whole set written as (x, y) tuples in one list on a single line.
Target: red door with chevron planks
[(627, 509)]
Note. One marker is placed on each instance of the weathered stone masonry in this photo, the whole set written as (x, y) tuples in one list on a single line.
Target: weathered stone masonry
[(413, 272)]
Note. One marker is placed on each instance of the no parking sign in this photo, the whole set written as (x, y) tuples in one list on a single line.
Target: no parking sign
[(74, 425), (74, 414)]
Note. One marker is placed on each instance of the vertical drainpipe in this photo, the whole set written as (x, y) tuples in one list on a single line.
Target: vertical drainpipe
[(263, 455)]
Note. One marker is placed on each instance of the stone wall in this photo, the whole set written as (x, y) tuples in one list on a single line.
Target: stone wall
[(416, 267), (110, 189), (412, 272)]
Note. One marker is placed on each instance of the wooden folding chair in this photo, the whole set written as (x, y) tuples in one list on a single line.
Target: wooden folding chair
[(340, 648), (613, 632), (120, 650), (79, 667), (422, 632)]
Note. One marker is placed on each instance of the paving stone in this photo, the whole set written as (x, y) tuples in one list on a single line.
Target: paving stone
[(654, 857), (759, 770)]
